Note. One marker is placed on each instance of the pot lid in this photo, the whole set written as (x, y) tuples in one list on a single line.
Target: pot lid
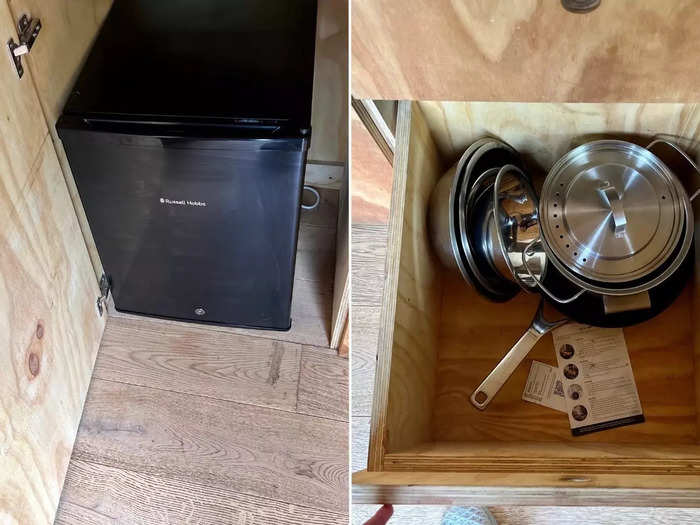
[(612, 212)]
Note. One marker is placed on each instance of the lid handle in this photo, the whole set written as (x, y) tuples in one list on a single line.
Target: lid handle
[(619, 218)]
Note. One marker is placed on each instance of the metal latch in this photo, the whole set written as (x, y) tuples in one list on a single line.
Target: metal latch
[(105, 285), (27, 30)]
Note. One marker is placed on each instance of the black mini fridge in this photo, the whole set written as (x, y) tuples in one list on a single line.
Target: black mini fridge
[(187, 133)]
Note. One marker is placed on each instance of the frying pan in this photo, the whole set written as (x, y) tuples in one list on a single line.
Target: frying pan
[(586, 309)]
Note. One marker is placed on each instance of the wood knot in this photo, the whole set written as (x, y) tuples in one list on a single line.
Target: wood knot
[(34, 364), (40, 330)]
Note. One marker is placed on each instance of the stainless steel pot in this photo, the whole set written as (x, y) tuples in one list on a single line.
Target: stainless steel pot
[(447, 218), (614, 220), (441, 213)]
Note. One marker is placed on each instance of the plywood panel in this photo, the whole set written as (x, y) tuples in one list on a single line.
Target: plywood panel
[(545, 132), (341, 283), (49, 335), (525, 50), (297, 459), (22, 125), (99, 494), (68, 30), (404, 384), (329, 113), (194, 359)]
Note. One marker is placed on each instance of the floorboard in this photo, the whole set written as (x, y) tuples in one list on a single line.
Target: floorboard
[(254, 450), (193, 359), (100, 495), (323, 385)]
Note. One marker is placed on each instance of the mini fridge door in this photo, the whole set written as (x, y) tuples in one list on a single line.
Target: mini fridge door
[(192, 228)]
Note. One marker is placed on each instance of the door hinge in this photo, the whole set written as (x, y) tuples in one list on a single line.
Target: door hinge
[(27, 31), (105, 286)]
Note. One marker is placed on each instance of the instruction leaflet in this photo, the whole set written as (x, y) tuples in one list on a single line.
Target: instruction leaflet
[(597, 376), (544, 386)]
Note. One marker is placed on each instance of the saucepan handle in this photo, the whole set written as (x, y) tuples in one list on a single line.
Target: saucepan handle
[(490, 386), (542, 287), (682, 154)]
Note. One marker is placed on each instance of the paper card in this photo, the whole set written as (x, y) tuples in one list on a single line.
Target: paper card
[(544, 387), (599, 385)]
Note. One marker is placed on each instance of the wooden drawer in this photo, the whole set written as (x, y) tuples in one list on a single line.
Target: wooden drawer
[(439, 339)]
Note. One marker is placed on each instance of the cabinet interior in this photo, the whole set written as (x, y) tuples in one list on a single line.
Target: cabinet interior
[(446, 338)]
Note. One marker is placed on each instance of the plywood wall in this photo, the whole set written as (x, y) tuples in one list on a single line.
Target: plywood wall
[(49, 326), (68, 30), (526, 50), (329, 114), (544, 132)]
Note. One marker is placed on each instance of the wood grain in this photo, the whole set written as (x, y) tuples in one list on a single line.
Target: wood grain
[(49, 327), (364, 357), (594, 515), (323, 385), (482, 489), (371, 177), (545, 132), (344, 348), (476, 333), (194, 359), (369, 245), (368, 112), (533, 50), (98, 494), (49, 335), (329, 112), (573, 459), (409, 323), (258, 451), (341, 280), (325, 174), (359, 446), (22, 125), (68, 30)]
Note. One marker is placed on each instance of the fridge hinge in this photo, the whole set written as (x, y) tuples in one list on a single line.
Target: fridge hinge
[(27, 31), (104, 294)]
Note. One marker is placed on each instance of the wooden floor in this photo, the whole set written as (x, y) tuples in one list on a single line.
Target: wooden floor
[(191, 424)]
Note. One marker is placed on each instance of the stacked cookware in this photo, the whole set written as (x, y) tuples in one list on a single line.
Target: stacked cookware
[(607, 241)]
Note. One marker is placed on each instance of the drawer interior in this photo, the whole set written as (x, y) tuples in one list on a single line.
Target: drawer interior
[(440, 338)]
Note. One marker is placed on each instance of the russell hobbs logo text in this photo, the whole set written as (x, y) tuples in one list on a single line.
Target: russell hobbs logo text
[(182, 202)]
